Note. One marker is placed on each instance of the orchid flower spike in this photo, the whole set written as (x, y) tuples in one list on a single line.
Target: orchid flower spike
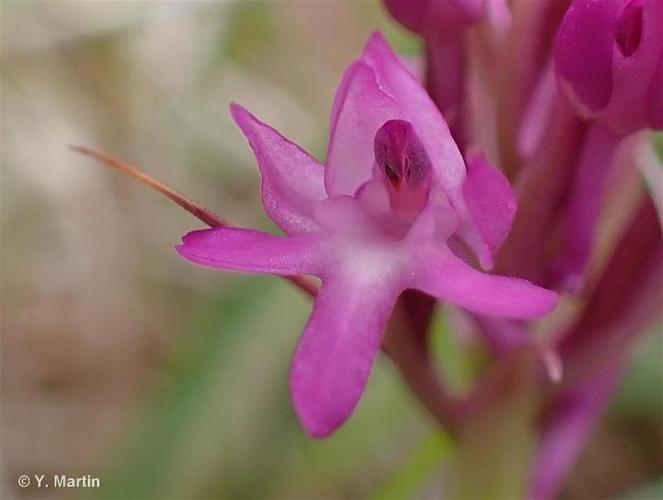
[(609, 62), (375, 221)]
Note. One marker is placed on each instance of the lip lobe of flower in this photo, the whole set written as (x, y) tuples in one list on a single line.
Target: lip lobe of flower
[(402, 161), (629, 28)]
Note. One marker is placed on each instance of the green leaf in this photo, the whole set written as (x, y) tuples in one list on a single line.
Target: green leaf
[(150, 459)]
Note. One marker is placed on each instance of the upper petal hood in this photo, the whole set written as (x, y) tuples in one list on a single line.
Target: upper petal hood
[(417, 107), (377, 89), (359, 110), (374, 90)]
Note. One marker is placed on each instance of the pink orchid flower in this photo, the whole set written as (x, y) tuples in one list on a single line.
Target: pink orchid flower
[(393, 209)]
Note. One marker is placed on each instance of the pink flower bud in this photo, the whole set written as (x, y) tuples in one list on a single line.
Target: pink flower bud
[(608, 58)]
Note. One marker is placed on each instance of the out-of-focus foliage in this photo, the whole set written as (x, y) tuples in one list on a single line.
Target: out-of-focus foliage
[(122, 361)]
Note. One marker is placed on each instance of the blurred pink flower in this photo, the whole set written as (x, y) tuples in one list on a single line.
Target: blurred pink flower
[(383, 216), (609, 64), (608, 59), (596, 349)]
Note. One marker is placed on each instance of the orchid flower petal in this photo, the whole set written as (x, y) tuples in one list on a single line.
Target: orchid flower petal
[(336, 352), (341, 95), (361, 110), (491, 204), (443, 275), (252, 251), (292, 181), (418, 108)]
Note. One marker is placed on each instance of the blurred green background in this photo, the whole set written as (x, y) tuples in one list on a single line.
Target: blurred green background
[(167, 380)]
